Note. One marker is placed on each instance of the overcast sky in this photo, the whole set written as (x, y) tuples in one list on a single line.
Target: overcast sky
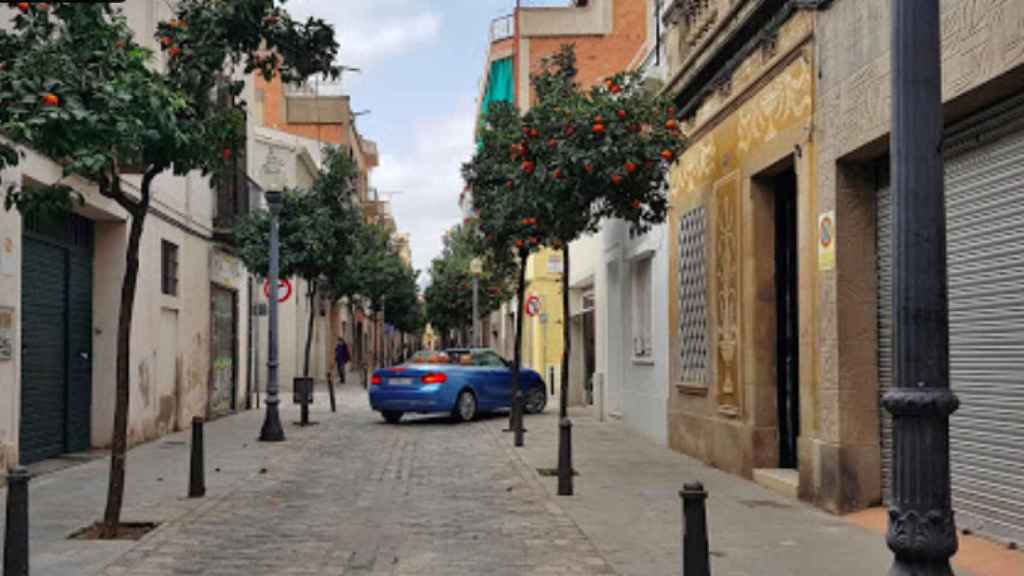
[(422, 61)]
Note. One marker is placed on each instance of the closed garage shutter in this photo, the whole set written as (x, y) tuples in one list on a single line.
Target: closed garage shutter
[(883, 261), (985, 236), (43, 393), (56, 369)]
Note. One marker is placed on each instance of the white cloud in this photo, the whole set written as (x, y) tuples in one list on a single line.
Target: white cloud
[(370, 30), (428, 180)]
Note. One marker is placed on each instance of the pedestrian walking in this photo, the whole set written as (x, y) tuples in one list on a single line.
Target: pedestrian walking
[(341, 358)]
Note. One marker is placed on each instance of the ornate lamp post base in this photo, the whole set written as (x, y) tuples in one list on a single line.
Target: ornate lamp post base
[(272, 430)]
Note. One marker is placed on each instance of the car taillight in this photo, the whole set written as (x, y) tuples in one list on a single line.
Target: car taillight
[(435, 378), (375, 380)]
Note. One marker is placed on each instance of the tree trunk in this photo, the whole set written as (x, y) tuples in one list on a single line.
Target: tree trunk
[(517, 354), (119, 444), (309, 328), (563, 402)]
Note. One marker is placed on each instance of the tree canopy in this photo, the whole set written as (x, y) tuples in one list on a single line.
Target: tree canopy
[(76, 87)]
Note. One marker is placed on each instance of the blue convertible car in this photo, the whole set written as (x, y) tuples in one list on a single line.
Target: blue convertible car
[(461, 382)]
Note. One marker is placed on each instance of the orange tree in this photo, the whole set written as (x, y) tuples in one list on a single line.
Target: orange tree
[(76, 87), (578, 156), (505, 203)]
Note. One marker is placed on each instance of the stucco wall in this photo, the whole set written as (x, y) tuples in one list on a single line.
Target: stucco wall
[(982, 59), (10, 297), (750, 128)]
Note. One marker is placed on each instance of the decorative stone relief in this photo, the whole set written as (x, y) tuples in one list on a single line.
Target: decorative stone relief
[(696, 165), (790, 35), (727, 336), (784, 100)]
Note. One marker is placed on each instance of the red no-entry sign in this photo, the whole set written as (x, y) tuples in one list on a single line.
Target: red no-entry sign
[(284, 289), (533, 305)]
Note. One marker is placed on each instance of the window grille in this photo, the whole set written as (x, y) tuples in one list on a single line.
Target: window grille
[(692, 297)]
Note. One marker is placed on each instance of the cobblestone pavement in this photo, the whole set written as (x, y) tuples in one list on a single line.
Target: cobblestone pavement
[(354, 496)]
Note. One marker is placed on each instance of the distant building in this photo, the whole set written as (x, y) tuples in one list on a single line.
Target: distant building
[(607, 35)]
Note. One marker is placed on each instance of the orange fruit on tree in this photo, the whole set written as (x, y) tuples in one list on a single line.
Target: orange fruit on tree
[(666, 154), (598, 129), (558, 174), (23, 6), (534, 133), (616, 179), (167, 41), (672, 124), (630, 167), (174, 52), (50, 99), (519, 243), (621, 114), (528, 167), (636, 204)]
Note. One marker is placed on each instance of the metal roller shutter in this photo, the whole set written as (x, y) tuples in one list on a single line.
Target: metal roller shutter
[(43, 398), (883, 262), (56, 369), (985, 236)]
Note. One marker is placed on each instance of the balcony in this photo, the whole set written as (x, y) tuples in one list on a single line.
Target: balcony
[(235, 197)]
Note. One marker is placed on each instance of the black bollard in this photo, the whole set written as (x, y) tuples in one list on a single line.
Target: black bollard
[(565, 457), (305, 408), (696, 561), (16, 526), (197, 470), (330, 389), (518, 429)]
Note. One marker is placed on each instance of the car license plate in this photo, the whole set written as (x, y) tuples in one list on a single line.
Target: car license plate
[(400, 381)]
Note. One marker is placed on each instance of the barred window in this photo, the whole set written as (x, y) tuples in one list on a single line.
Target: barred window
[(692, 296)]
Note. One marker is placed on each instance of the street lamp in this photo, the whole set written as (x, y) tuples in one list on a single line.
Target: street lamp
[(274, 180), (476, 268), (922, 532)]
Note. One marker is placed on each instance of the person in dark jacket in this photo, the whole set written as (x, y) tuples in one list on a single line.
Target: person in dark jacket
[(341, 358)]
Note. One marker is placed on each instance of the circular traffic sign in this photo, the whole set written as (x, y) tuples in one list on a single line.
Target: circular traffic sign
[(533, 305), (284, 289)]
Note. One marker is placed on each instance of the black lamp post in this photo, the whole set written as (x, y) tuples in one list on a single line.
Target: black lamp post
[(272, 430), (922, 532)]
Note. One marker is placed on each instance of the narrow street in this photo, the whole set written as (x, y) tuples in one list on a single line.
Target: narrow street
[(353, 495)]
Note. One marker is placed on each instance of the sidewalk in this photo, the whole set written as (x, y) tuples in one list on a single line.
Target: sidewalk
[(67, 500), (356, 496), (626, 501)]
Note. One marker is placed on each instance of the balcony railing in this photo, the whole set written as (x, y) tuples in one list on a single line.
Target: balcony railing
[(502, 28), (235, 197)]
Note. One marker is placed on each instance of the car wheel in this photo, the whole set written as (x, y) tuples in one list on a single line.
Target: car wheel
[(391, 416), (465, 407), (536, 401)]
